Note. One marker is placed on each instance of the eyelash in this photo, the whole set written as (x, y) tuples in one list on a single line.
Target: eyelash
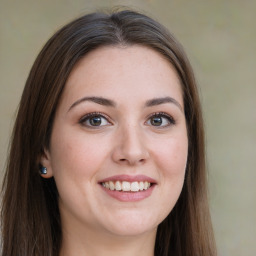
[(170, 119), (87, 117), (93, 114)]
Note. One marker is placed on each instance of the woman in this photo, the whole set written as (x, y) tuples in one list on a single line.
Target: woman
[(107, 153)]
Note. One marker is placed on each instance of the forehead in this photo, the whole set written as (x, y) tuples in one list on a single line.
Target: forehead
[(135, 71)]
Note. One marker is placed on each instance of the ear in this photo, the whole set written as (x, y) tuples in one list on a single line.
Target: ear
[(45, 161)]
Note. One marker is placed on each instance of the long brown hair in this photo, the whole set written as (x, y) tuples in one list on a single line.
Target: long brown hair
[(30, 215)]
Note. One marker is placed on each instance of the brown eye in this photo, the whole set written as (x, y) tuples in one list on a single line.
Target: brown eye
[(160, 120), (156, 121), (94, 120)]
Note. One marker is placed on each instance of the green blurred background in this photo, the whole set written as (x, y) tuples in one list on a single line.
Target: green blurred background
[(220, 39)]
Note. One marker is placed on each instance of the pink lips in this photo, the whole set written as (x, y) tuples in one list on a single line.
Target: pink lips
[(129, 196)]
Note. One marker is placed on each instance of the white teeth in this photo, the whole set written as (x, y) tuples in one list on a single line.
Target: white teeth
[(127, 186), (146, 185), (118, 186), (135, 186), (111, 185), (141, 185)]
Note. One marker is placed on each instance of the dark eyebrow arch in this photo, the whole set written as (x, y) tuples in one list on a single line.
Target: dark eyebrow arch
[(159, 101), (98, 100)]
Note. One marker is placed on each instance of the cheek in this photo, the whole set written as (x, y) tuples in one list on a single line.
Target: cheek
[(75, 160), (172, 156), (171, 160), (76, 156)]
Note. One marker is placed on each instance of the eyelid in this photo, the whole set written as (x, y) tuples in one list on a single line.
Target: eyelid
[(92, 114), (162, 114)]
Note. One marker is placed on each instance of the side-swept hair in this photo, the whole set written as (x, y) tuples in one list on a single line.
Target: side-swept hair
[(30, 214)]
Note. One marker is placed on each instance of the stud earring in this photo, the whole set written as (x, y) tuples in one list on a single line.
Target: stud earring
[(42, 169)]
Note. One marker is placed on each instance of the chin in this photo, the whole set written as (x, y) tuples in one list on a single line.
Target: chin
[(132, 225), (131, 231)]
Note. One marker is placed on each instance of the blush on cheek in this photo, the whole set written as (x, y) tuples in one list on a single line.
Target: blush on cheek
[(173, 157)]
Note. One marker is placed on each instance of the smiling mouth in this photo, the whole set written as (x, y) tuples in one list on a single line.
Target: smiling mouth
[(126, 186)]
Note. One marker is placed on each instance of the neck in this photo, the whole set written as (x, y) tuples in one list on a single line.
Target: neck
[(94, 244)]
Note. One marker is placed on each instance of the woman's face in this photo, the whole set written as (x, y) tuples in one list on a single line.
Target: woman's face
[(118, 148)]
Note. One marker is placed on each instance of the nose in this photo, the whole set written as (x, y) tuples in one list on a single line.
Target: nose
[(130, 147)]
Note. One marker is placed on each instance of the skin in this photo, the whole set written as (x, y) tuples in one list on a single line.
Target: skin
[(126, 142)]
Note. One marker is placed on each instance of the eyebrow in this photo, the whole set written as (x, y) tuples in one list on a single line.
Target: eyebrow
[(98, 100), (159, 101), (110, 103)]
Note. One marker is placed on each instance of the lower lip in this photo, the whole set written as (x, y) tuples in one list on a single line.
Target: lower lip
[(129, 196)]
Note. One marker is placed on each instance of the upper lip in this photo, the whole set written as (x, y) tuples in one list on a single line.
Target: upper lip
[(128, 178)]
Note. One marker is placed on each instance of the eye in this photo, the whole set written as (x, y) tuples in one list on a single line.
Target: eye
[(160, 120), (94, 120)]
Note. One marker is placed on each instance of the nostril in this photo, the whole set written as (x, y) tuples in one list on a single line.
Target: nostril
[(124, 160)]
